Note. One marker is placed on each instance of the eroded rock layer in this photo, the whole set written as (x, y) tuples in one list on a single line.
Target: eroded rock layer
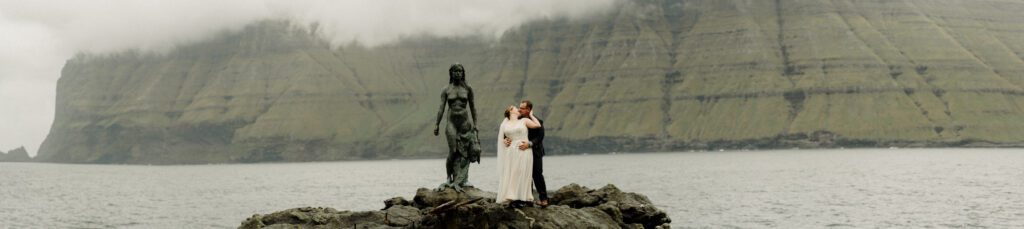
[(649, 75)]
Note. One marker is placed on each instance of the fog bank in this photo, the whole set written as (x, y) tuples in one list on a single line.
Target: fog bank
[(39, 36)]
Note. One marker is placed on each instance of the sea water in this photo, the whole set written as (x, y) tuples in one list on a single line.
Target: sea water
[(861, 188)]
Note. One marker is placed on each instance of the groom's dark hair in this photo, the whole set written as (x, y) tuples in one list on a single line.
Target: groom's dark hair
[(529, 105)]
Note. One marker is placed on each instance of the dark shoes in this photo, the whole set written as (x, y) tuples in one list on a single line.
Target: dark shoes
[(522, 204), (542, 203), (519, 204), (516, 204)]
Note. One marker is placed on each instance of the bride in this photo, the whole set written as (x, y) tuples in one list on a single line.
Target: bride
[(514, 165)]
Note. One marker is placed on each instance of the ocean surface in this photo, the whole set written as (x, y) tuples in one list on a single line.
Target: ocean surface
[(857, 188)]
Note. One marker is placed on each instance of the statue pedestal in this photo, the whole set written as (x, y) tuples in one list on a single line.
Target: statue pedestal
[(572, 206)]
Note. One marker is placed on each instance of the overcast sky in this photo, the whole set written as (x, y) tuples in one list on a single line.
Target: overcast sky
[(38, 36)]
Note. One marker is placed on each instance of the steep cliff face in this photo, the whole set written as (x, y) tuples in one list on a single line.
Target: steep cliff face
[(267, 93), (646, 76)]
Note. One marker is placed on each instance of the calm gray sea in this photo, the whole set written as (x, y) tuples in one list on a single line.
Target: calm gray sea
[(943, 188)]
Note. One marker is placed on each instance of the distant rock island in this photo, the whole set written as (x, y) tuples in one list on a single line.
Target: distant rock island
[(573, 206), (15, 155), (648, 75)]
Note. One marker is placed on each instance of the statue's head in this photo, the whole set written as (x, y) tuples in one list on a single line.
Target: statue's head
[(456, 73)]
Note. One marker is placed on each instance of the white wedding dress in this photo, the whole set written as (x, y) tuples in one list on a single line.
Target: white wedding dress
[(515, 167)]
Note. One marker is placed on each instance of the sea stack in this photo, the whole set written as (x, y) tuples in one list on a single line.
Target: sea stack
[(15, 155)]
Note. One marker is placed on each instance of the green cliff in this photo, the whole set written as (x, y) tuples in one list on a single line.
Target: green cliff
[(646, 76)]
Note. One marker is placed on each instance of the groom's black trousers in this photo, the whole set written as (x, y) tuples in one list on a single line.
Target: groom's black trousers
[(538, 176), (537, 139)]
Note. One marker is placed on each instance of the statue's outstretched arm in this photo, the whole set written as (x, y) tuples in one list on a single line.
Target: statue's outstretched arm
[(440, 112)]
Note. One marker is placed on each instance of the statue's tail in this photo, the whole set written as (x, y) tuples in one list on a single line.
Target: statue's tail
[(474, 149)]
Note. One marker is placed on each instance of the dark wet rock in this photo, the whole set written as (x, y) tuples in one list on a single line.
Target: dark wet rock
[(573, 206), (396, 201), (630, 208), (575, 196), (401, 215), (319, 217), (431, 198)]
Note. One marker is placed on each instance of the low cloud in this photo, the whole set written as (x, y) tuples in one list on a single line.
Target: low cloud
[(39, 36)]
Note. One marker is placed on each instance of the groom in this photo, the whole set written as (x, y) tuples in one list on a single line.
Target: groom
[(536, 137)]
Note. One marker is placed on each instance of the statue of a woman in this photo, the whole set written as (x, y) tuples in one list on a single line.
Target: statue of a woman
[(461, 131)]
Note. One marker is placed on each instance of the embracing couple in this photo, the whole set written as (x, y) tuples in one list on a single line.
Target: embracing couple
[(520, 157)]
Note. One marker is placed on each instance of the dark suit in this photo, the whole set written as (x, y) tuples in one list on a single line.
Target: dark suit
[(536, 137)]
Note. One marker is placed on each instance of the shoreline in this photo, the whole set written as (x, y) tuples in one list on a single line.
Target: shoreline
[(906, 146)]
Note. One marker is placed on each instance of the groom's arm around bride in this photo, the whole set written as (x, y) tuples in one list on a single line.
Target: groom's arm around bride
[(536, 137)]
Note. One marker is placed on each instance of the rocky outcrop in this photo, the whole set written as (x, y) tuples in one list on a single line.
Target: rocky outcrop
[(15, 155), (573, 206), (648, 75)]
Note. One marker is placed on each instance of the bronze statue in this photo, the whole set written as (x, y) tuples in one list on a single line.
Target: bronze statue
[(461, 131)]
